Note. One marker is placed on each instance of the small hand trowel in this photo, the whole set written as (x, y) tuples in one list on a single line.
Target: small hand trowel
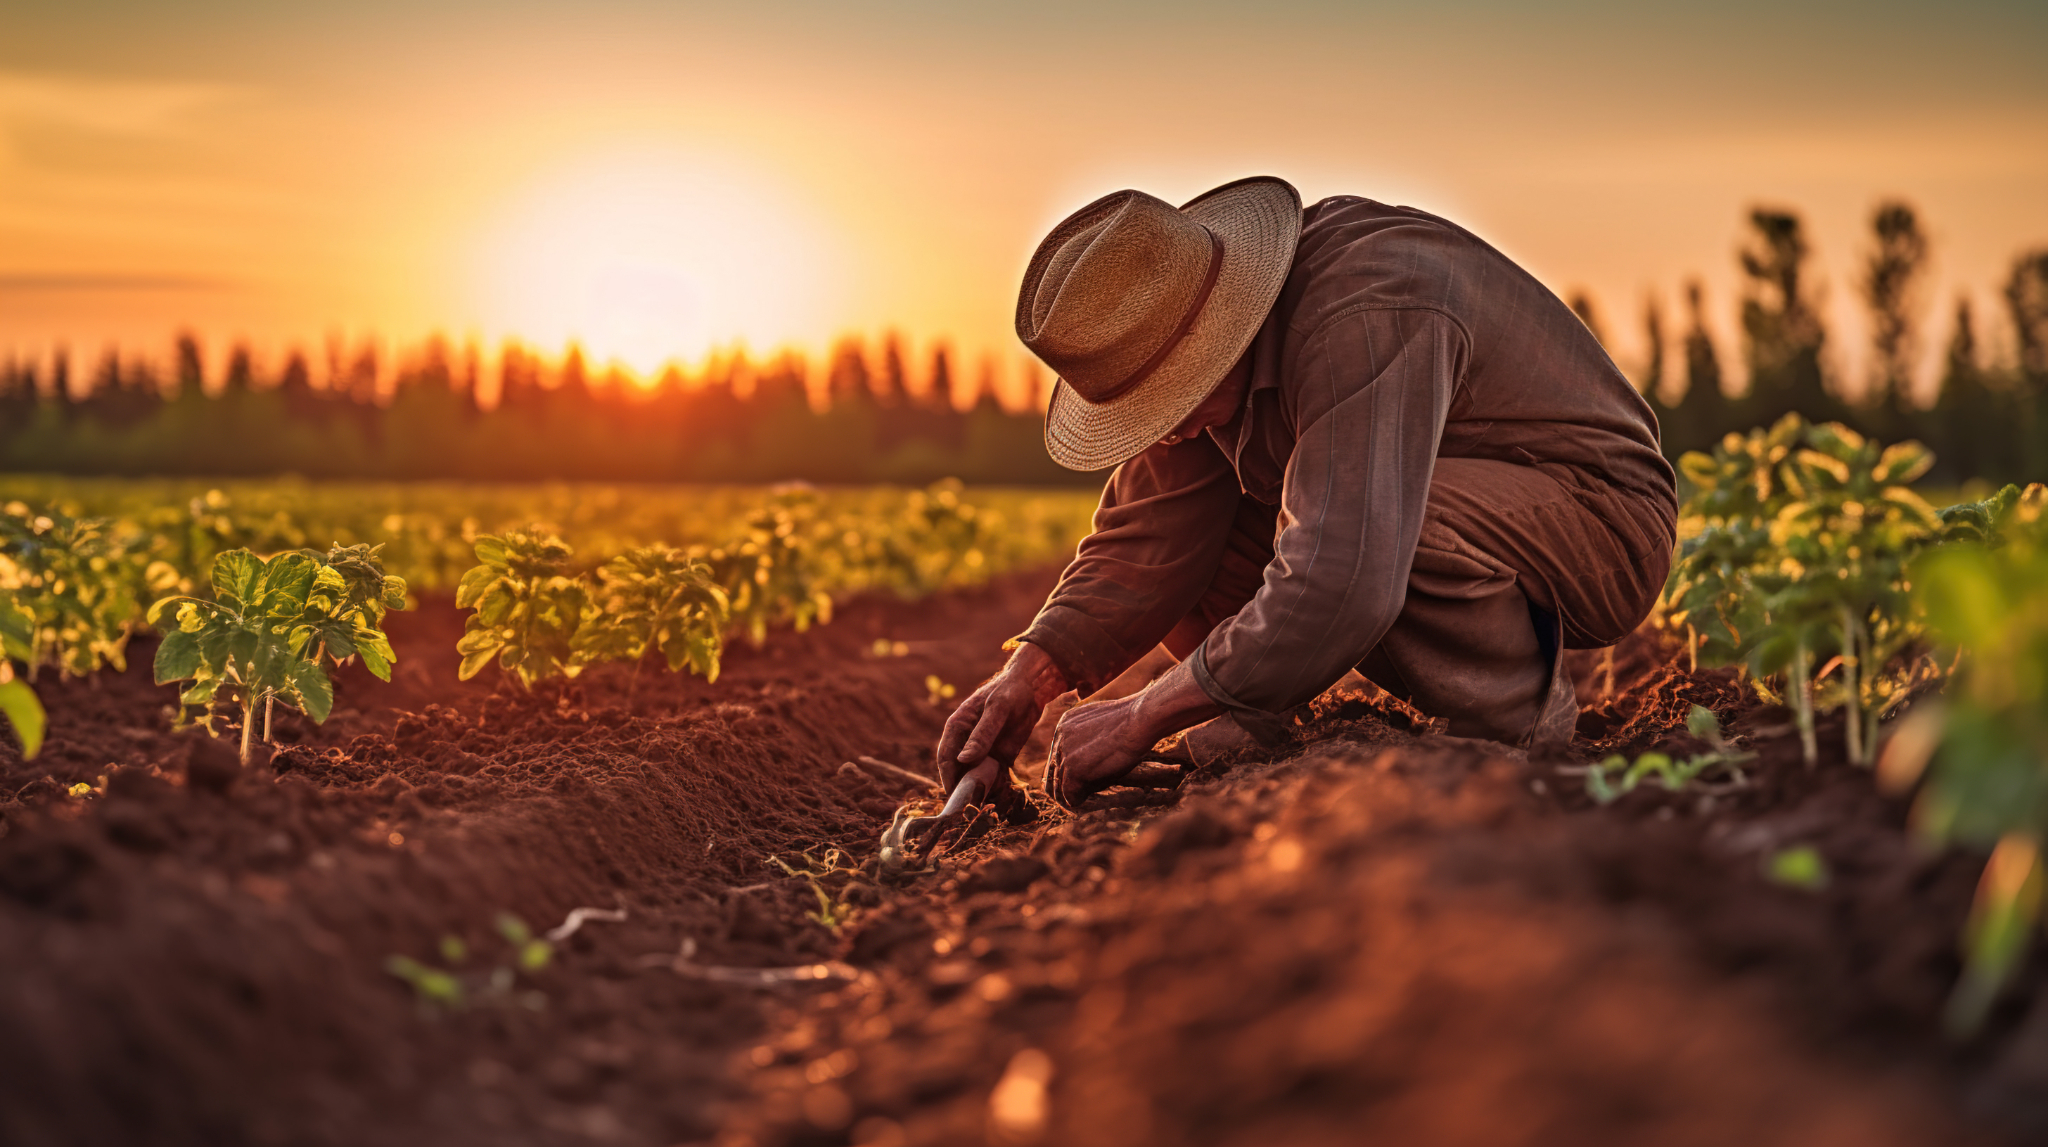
[(911, 836)]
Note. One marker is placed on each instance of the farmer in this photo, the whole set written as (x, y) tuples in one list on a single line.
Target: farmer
[(1351, 436)]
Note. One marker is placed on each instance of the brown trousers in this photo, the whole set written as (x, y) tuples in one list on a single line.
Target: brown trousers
[(1514, 565)]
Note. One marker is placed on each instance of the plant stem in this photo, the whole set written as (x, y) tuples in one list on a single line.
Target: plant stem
[(1852, 682), (269, 703), (1802, 703), (248, 723)]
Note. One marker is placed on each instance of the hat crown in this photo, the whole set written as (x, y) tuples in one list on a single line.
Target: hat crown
[(1111, 290)]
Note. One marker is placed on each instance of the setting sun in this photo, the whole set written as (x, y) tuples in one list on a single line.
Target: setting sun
[(647, 256)]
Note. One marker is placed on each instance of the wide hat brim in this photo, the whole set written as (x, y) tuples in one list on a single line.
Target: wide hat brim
[(1259, 221)]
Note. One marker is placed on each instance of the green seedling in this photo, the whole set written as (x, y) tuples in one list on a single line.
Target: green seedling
[(68, 597), (18, 702), (833, 912), (772, 574), (659, 599), (1998, 932), (1984, 745), (1800, 570), (1614, 777), (1800, 866), (270, 631), (431, 985), (441, 987), (529, 952), (528, 609)]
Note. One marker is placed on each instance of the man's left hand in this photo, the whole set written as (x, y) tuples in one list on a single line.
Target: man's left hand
[(1096, 743), (1092, 746)]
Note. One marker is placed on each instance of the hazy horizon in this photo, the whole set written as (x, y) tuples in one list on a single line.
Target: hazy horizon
[(656, 180)]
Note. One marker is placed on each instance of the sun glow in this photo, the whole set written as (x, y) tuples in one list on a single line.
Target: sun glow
[(646, 257)]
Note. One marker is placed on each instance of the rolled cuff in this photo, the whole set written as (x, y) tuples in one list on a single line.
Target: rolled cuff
[(1085, 653), (1268, 728)]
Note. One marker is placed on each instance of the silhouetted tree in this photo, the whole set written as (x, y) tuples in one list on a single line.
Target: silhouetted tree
[(891, 385), (1704, 413), (846, 375), (1889, 277), (1581, 304), (189, 374), (1973, 432), (939, 395), (1781, 326), (2026, 302), (241, 375)]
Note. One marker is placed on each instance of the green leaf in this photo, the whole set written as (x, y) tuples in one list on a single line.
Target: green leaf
[(178, 658), (288, 580), (478, 639), (491, 551), (1798, 867), (376, 652), (315, 691), (473, 584), (496, 603), (473, 663), (24, 711), (237, 575)]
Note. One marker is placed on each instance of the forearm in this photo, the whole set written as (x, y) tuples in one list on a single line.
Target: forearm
[(1036, 668), (1170, 704), (1158, 538)]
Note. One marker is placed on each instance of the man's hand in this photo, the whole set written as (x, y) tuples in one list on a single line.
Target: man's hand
[(1097, 743), (996, 719)]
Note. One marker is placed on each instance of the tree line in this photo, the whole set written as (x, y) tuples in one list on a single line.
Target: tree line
[(446, 413), (1989, 419)]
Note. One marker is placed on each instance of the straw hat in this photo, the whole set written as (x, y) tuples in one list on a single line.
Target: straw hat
[(1142, 309)]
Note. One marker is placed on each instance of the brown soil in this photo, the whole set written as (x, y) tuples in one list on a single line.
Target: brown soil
[(1369, 936)]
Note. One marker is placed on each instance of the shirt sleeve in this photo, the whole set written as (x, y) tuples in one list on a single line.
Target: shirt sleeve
[(1159, 536), (1376, 386)]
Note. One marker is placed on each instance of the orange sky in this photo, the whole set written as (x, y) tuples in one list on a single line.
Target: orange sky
[(658, 178)]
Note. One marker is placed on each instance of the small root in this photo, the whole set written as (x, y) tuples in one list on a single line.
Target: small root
[(901, 774), (576, 918), (683, 963)]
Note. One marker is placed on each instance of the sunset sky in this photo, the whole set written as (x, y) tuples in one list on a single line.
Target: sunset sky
[(659, 178)]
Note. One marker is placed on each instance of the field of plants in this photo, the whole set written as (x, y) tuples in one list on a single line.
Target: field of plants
[(467, 814)]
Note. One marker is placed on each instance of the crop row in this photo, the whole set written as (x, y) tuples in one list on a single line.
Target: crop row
[(1815, 568), (249, 632)]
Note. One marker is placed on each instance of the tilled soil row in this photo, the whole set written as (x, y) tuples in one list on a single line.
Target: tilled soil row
[(1369, 934), (1378, 937), (198, 956)]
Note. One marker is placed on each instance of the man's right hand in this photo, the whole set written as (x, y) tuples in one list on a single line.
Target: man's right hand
[(996, 719)]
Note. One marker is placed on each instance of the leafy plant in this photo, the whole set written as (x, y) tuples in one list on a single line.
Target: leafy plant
[(18, 702), (528, 608), (769, 575), (1799, 569), (69, 576), (657, 598), (270, 630), (1984, 744)]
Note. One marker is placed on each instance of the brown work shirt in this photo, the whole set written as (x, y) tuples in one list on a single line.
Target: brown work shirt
[(1398, 338)]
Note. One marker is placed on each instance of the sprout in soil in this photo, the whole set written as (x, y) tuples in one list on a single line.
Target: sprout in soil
[(270, 631)]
